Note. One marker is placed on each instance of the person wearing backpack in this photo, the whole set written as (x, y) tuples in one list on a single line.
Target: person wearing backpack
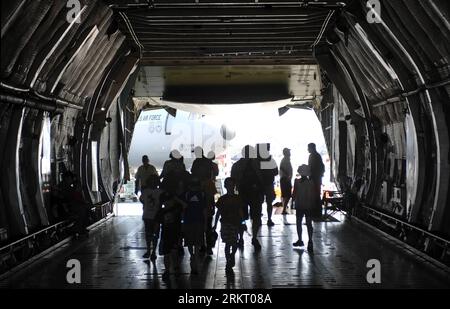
[(170, 217), (204, 169), (250, 189), (194, 221), (174, 175)]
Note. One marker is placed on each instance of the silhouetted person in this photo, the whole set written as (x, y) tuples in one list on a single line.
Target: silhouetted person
[(214, 167), (174, 165), (78, 207), (237, 174), (229, 210), (268, 170), (250, 187), (211, 191), (151, 198), (194, 221), (286, 173), (201, 167), (304, 199), (143, 173), (171, 214), (206, 170), (175, 181), (59, 202), (317, 170), (174, 175)]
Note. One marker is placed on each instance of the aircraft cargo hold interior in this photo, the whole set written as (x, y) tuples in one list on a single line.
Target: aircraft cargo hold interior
[(205, 144)]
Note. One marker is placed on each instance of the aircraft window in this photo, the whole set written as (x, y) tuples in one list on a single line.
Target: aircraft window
[(169, 124)]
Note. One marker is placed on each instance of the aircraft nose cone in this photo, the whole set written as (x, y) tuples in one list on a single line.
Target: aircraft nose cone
[(227, 133)]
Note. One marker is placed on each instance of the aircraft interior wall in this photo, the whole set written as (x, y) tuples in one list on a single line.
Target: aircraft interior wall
[(76, 71), (378, 69)]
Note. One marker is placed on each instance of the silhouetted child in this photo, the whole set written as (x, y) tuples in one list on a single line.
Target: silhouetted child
[(171, 215), (194, 220), (151, 198), (229, 209), (304, 198)]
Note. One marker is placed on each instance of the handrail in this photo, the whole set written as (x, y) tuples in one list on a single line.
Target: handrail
[(31, 92), (33, 235), (289, 4), (447, 242), (398, 97), (8, 246)]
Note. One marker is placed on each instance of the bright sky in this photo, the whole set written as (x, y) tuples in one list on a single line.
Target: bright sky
[(253, 124), (259, 123), (295, 130)]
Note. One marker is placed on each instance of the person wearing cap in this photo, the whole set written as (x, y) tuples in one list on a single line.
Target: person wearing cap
[(286, 179), (304, 199), (143, 173)]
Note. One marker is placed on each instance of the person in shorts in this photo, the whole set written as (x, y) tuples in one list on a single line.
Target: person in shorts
[(229, 210)]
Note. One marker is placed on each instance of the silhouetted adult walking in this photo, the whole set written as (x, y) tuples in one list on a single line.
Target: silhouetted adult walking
[(174, 175), (247, 174), (194, 221), (211, 191), (143, 174), (206, 171), (286, 173), (317, 169), (175, 164), (268, 170), (201, 167)]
